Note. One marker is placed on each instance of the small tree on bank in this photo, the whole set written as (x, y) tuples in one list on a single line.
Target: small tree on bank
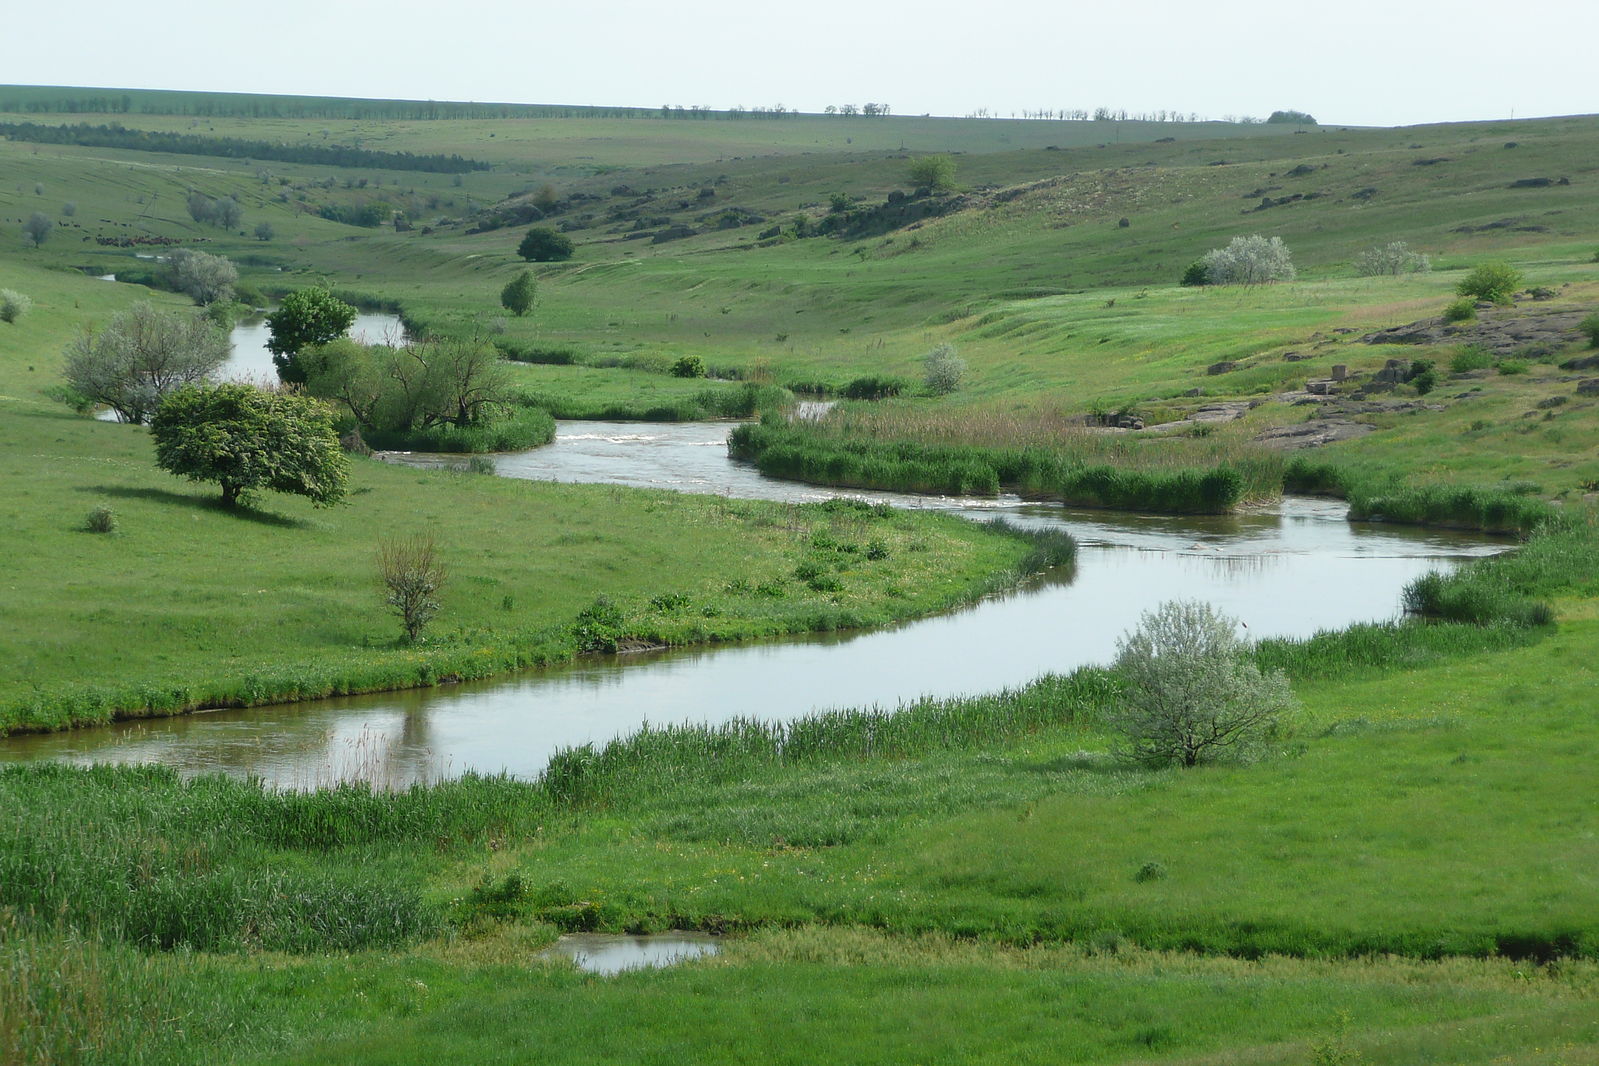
[(412, 575), (520, 293), (140, 356), (246, 438), (204, 278), (1192, 694), (305, 318)]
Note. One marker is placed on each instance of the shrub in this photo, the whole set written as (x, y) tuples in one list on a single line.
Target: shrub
[(412, 574), (943, 370), (1422, 375), (101, 520), (1589, 327), (1192, 693), (1494, 282), (875, 388), (1250, 260), (13, 305), (1461, 310), (935, 172), (688, 366), (542, 244), (37, 229), (1394, 258), (1513, 366), (1470, 357), (519, 294), (204, 278), (1196, 274)]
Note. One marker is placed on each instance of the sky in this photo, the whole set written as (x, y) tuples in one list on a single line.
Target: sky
[(1347, 62)]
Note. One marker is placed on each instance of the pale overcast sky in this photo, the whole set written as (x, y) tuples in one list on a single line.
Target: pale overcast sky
[(1365, 62)]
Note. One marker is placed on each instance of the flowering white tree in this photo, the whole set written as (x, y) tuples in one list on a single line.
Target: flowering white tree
[(1249, 260)]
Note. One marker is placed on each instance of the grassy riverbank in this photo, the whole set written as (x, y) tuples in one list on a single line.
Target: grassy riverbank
[(1406, 877), (949, 866), (189, 604)]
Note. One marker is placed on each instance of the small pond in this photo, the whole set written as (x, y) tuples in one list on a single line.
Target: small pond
[(611, 954)]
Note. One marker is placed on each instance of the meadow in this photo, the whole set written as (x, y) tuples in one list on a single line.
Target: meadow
[(1405, 876)]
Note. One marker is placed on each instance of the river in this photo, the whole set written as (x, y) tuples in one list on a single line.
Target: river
[(1291, 569)]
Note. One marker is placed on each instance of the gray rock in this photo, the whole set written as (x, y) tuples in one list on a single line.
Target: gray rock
[(1588, 387), (1221, 367)]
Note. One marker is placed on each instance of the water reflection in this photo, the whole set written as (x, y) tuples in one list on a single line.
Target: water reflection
[(608, 954), (1290, 570)]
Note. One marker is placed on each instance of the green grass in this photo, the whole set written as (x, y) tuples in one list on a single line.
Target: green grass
[(980, 872)]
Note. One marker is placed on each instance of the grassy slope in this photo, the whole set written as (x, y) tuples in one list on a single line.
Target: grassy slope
[(1475, 768), (189, 603)]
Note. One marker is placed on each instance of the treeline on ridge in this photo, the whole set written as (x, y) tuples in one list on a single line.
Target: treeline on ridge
[(333, 155), (43, 99)]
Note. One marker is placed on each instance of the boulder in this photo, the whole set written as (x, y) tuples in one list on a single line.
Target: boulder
[(1588, 387), (1221, 367)]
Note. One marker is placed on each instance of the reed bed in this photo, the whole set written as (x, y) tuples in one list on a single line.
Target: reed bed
[(1044, 454)]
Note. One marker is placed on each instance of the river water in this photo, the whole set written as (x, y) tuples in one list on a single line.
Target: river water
[(1292, 569)]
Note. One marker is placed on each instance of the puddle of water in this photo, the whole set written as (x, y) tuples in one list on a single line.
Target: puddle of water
[(608, 954)]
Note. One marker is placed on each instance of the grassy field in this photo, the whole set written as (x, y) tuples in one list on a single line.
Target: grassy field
[(1406, 877)]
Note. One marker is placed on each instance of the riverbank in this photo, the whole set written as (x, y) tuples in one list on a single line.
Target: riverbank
[(957, 859), (188, 604)]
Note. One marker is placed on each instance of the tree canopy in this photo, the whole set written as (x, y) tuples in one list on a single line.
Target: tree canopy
[(140, 356), (246, 438), (936, 172), (520, 293), (545, 245), (306, 317)]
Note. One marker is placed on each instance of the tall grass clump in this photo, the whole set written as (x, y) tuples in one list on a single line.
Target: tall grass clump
[(658, 757), (835, 452), (1561, 557), (525, 426), (135, 854), (1492, 510)]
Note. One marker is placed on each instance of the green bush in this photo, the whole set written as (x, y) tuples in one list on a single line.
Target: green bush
[(875, 387), (101, 520), (688, 366), (1590, 328), (1491, 281), (1461, 310), (1196, 274), (542, 244), (1470, 357), (1513, 366)]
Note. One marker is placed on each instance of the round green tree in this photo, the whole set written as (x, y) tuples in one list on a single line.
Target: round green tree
[(246, 438), (520, 293), (544, 244), (305, 318)]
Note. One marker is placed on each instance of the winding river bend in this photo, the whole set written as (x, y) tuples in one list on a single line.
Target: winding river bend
[(1289, 570)]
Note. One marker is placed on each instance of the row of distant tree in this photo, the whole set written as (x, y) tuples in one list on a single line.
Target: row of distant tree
[(333, 155)]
